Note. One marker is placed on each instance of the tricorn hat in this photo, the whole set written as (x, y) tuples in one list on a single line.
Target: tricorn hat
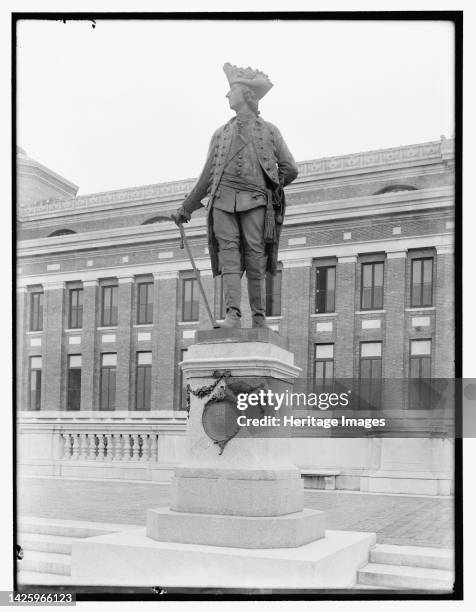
[(254, 79)]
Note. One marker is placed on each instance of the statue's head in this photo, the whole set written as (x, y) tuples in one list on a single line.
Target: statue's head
[(241, 96), (247, 87)]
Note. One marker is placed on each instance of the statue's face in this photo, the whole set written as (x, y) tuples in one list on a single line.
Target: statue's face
[(235, 96)]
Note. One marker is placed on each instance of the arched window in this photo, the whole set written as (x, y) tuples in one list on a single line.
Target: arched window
[(61, 232), (158, 219), (395, 189)]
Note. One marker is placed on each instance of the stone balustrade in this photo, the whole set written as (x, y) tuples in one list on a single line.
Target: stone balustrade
[(124, 445), (107, 446)]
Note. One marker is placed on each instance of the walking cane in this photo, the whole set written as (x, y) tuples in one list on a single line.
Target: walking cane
[(184, 241)]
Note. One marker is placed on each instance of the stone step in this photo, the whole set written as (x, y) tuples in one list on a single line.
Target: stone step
[(46, 562), (402, 577), (46, 543), (27, 577), (68, 528), (413, 556), (61, 530), (370, 587)]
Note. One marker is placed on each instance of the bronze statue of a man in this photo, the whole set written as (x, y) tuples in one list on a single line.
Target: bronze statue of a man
[(247, 166)]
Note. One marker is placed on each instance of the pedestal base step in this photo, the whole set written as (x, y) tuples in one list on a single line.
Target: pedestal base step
[(286, 531), (133, 559)]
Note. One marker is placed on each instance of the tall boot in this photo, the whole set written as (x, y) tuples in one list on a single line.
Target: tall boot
[(257, 296), (232, 294)]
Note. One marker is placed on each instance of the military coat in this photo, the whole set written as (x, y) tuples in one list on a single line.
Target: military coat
[(276, 162)]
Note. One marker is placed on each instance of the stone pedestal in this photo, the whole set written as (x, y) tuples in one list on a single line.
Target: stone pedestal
[(237, 516), (246, 493)]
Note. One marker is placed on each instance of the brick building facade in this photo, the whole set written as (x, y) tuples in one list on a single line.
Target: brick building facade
[(106, 305)]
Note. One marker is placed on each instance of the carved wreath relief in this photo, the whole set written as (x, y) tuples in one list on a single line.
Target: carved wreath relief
[(220, 413)]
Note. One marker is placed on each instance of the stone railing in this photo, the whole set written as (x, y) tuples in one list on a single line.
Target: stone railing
[(106, 446), (85, 445)]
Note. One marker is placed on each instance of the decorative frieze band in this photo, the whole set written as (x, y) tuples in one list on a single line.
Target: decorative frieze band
[(328, 165)]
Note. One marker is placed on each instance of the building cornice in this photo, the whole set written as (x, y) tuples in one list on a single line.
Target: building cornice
[(390, 203), (440, 151)]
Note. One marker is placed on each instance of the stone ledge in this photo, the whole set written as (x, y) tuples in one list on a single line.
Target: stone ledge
[(237, 474), (252, 334), (254, 532)]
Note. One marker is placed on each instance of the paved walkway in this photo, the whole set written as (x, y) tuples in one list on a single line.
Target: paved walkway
[(397, 519)]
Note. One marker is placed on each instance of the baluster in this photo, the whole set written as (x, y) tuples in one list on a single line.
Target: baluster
[(75, 446), (92, 447), (67, 445), (116, 447), (146, 447), (100, 447), (109, 448), (141, 443), (155, 448), (135, 447), (127, 447), (83, 446)]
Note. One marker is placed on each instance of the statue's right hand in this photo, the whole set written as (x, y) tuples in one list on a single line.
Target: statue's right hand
[(180, 216)]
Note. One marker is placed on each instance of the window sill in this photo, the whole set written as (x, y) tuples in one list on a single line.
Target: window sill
[(33, 333), (108, 328), (420, 308), (188, 322), (73, 330), (372, 312), (142, 325), (316, 315)]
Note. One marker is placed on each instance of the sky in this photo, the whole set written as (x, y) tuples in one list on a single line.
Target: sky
[(128, 103)]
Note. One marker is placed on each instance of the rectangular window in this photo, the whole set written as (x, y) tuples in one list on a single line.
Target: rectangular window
[(189, 300), (372, 286), (107, 386), (145, 303), (36, 311), (273, 294), (75, 319), (35, 383), (73, 400), (109, 305), (324, 368), (370, 375), (325, 289), (422, 282), (420, 391), (182, 394), (143, 380)]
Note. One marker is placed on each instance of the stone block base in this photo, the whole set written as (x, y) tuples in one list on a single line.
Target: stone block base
[(286, 531), (257, 492), (132, 559)]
